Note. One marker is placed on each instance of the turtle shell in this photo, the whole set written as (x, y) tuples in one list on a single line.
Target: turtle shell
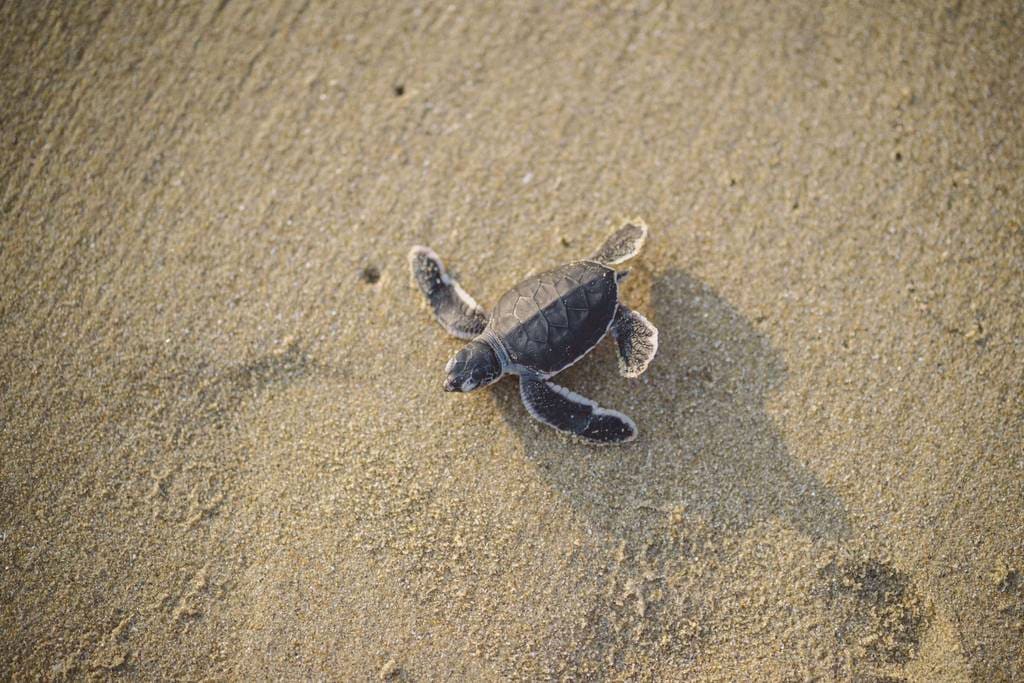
[(549, 321)]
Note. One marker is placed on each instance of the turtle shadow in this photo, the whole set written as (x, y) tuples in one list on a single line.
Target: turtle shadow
[(667, 512), (707, 444)]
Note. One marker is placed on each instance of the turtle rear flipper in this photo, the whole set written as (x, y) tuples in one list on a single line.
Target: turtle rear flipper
[(456, 310), (623, 244), (637, 341), (569, 412)]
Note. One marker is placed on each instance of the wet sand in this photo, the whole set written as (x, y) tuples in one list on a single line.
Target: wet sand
[(224, 449)]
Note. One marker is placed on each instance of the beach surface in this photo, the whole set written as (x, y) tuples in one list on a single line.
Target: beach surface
[(224, 448)]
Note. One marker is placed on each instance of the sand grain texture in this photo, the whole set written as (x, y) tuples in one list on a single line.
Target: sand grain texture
[(224, 450)]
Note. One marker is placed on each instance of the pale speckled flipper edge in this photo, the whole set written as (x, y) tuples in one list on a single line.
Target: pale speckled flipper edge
[(636, 339), (454, 308), (569, 412), (623, 244)]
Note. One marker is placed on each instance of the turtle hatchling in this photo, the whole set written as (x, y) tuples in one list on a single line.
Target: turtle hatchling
[(543, 325)]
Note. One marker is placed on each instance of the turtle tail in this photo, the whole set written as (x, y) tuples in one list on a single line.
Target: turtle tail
[(623, 244)]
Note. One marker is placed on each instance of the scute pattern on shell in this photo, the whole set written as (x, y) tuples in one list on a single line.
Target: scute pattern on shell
[(551, 319)]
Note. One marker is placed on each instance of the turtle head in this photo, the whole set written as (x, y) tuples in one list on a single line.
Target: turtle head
[(473, 367)]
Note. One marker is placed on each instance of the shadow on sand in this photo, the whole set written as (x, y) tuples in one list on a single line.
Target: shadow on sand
[(706, 445)]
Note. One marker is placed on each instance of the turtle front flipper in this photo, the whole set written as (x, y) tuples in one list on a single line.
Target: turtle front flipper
[(623, 244), (569, 412), (453, 307), (637, 341)]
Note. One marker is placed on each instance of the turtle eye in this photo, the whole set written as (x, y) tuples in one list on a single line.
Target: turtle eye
[(469, 384)]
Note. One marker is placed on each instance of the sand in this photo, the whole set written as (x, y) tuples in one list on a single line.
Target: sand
[(224, 450)]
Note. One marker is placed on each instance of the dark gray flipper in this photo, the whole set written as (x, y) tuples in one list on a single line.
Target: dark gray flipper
[(569, 412), (623, 244), (637, 340), (453, 307)]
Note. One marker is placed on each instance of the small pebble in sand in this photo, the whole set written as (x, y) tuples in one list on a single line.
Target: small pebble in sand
[(370, 275)]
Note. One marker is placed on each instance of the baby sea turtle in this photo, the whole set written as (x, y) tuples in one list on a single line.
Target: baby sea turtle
[(542, 326)]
